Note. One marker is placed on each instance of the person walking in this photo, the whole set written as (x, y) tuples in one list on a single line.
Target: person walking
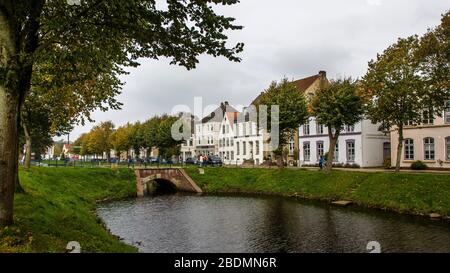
[(321, 162), (201, 160)]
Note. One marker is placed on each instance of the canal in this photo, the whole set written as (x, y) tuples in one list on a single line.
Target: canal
[(191, 223)]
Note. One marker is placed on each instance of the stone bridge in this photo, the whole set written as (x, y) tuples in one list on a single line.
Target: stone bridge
[(176, 178)]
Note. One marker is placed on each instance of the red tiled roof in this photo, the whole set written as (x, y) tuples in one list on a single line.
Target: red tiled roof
[(302, 84), (305, 83)]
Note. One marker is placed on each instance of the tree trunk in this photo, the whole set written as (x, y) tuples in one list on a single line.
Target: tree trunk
[(399, 148), (9, 149), (333, 141), (28, 144)]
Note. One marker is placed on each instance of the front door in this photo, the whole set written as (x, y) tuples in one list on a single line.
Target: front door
[(386, 151)]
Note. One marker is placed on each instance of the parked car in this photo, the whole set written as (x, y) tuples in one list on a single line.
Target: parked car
[(190, 161), (214, 161), (151, 160)]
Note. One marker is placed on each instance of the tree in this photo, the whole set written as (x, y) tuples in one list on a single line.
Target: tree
[(98, 140), (293, 111), (121, 139), (164, 141), (433, 56), (58, 148), (93, 40), (335, 106), (409, 82)]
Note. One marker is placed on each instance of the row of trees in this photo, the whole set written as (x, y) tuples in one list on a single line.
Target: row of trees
[(410, 78), (153, 133)]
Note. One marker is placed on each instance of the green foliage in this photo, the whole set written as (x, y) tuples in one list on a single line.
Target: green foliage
[(98, 139), (292, 106), (58, 207), (393, 86), (419, 165), (336, 105), (410, 79)]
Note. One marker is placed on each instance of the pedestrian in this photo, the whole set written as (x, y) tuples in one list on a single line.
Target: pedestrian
[(201, 160), (321, 162)]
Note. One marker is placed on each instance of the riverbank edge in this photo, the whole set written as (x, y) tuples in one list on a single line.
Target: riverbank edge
[(431, 215), (114, 185)]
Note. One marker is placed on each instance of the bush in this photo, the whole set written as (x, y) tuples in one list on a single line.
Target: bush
[(419, 165)]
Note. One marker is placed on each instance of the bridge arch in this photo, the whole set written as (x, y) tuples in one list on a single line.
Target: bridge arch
[(175, 179)]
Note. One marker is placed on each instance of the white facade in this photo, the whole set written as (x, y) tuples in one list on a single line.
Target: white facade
[(226, 139), (249, 142), (361, 144)]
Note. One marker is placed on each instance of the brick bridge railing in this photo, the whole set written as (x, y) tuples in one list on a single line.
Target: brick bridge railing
[(177, 177)]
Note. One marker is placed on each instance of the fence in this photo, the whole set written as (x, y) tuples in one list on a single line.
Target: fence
[(53, 163)]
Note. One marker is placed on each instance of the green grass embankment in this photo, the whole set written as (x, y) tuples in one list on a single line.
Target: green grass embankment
[(58, 206), (402, 192)]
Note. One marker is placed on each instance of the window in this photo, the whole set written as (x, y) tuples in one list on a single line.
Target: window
[(244, 128), (350, 151), (350, 128), (291, 147), (410, 123), (409, 149), (336, 153), (228, 129), (447, 148), (320, 150), (232, 155), (228, 156), (228, 142), (428, 148), (231, 142), (257, 148), (238, 148), (428, 117), (306, 151), (306, 130), (319, 128), (447, 112), (244, 148)]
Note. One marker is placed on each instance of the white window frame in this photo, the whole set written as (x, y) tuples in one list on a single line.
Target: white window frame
[(409, 149)]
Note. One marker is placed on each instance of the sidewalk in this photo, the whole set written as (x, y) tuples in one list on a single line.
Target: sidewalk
[(382, 170)]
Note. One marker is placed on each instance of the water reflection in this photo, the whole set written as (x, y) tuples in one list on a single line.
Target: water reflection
[(184, 223)]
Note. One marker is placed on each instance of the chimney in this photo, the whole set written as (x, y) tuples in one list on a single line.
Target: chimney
[(226, 103), (323, 73)]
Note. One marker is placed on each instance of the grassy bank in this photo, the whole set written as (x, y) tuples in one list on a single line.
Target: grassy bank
[(58, 207), (403, 192)]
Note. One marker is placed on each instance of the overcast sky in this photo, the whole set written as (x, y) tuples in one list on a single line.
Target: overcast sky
[(292, 38)]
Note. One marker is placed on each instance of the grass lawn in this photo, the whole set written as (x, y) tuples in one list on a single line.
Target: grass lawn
[(59, 206), (403, 192)]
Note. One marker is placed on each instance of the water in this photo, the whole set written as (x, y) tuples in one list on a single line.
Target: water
[(190, 223)]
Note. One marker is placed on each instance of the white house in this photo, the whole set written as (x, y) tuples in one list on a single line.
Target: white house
[(249, 139), (226, 138), (205, 137), (360, 145)]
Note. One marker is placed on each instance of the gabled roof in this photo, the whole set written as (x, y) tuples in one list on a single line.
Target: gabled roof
[(218, 114), (232, 117), (305, 83), (302, 84)]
